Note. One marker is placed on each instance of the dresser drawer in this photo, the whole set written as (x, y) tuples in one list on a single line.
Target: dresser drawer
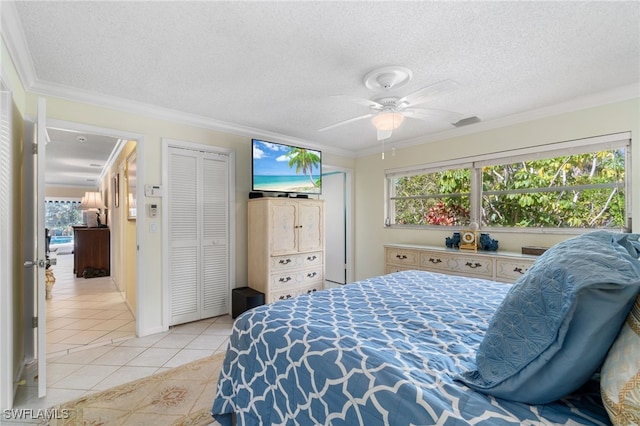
[(389, 269), (281, 295), (405, 257), (310, 289), (457, 263), (294, 292), (289, 280), (510, 270), (293, 261)]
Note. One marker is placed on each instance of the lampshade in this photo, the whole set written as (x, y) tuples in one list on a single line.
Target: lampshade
[(387, 120), (92, 201)]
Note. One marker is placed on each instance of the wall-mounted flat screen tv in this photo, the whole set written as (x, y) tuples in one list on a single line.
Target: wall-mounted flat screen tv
[(277, 167)]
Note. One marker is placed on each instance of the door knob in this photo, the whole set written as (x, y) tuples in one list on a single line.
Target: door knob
[(31, 263)]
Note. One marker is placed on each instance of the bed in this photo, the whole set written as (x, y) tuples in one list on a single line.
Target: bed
[(390, 350)]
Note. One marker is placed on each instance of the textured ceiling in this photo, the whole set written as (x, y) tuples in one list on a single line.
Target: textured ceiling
[(76, 159), (270, 69)]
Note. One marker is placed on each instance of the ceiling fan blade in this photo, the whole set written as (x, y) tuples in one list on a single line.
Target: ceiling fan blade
[(361, 101), (429, 114), (351, 120), (423, 95), (384, 134)]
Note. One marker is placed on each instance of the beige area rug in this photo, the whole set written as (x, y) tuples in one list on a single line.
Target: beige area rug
[(180, 396)]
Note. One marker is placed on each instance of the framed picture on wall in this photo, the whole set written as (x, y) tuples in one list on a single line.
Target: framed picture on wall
[(116, 190), (131, 186)]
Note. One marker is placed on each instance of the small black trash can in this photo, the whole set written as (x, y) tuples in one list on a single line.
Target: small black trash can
[(243, 299)]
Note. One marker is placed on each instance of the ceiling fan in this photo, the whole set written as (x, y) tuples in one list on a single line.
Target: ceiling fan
[(388, 112)]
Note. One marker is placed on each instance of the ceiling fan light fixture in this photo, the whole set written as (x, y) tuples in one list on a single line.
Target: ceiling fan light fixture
[(387, 120)]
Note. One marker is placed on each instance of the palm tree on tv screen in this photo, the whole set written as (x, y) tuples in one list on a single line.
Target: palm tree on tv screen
[(304, 161)]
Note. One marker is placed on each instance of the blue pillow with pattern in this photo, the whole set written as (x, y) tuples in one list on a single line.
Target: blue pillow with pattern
[(554, 328)]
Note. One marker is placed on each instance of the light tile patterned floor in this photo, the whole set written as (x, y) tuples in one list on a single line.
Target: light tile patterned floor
[(91, 343)]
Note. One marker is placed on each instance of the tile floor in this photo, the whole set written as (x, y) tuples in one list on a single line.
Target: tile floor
[(91, 343)]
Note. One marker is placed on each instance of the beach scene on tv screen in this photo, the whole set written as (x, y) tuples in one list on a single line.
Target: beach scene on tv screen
[(284, 168)]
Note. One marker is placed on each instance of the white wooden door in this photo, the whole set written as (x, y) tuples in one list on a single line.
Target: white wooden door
[(6, 247), (35, 256), (184, 236), (334, 194), (310, 225), (198, 204), (215, 235), (283, 235)]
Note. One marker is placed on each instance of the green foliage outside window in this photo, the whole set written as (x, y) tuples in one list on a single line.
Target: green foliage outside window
[(440, 198), (577, 191), (60, 217)]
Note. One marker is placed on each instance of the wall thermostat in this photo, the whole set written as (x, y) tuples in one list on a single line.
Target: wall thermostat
[(153, 210), (153, 190)]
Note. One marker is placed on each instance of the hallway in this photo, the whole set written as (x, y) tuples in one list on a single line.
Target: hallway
[(91, 343), (84, 312)]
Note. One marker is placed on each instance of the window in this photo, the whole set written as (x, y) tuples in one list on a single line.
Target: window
[(576, 184), (60, 217), (432, 198)]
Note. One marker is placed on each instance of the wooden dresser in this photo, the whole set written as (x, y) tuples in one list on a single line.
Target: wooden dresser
[(497, 266), (285, 246), (91, 249)]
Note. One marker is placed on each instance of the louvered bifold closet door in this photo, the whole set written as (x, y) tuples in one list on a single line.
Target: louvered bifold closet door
[(215, 235), (183, 236)]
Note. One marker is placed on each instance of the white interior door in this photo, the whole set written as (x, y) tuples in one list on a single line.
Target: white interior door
[(215, 235), (333, 192), (199, 234), (7, 250), (35, 256), (184, 238)]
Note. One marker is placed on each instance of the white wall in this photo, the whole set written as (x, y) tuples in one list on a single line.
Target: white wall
[(153, 130), (370, 233)]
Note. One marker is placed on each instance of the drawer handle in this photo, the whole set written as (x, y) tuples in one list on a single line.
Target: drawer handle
[(285, 279), (311, 274), (311, 291), (311, 258), (473, 265), (436, 261), (518, 270), (285, 261), (288, 296), (401, 256)]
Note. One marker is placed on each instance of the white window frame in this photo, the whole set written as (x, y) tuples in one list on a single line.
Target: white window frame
[(476, 163)]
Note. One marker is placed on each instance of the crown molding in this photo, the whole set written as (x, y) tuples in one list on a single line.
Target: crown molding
[(14, 39), (619, 94), (174, 116)]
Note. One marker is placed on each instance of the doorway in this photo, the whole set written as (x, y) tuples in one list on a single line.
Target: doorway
[(78, 313), (336, 191)]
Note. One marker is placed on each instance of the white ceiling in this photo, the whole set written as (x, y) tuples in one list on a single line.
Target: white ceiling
[(269, 69), (76, 158)]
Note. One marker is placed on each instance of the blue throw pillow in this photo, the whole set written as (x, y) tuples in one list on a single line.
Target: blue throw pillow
[(556, 324)]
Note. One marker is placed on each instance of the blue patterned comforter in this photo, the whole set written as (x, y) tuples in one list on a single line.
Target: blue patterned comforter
[(381, 351)]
